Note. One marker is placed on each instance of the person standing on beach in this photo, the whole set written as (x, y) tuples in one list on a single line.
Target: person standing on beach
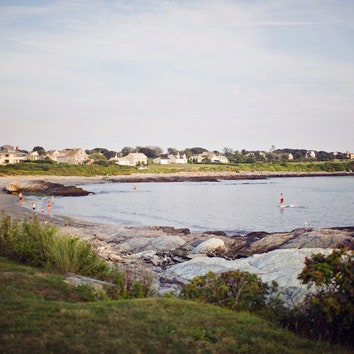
[(49, 205), (20, 197)]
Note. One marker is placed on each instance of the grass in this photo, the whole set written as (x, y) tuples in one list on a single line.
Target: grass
[(62, 169), (39, 313)]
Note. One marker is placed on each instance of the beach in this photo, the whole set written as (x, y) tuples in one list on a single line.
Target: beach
[(9, 203)]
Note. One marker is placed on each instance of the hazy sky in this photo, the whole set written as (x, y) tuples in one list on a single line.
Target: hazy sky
[(243, 74)]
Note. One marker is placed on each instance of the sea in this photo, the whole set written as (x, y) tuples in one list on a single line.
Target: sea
[(233, 206)]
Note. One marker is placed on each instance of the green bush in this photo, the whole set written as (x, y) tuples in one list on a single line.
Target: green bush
[(330, 307), (27, 241), (39, 245), (67, 254), (128, 284), (234, 289)]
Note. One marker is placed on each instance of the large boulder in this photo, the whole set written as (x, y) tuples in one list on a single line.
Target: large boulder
[(157, 244), (282, 266), (209, 246), (46, 188)]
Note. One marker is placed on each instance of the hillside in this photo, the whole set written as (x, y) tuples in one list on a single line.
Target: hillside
[(42, 314)]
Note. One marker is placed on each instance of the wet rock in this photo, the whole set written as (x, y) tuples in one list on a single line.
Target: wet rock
[(209, 246), (282, 266), (46, 188)]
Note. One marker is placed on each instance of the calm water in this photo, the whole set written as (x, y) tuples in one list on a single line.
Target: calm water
[(233, 206)]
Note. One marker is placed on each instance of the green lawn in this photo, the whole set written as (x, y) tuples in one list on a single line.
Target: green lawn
[(39, 313)]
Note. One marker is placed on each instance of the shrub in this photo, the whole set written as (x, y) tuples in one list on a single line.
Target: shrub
[(67, 254), (331, 306), (129, 284), (41, 245), (27, 241), (234, 289)]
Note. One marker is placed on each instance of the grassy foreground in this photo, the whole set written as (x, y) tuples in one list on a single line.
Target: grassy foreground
[(39, 313)]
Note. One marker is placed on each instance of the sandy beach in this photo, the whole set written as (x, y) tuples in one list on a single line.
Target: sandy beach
[(9, 203)]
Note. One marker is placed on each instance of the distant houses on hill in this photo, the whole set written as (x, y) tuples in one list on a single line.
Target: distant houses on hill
[(11, 155), (78, 156), (75, 156)]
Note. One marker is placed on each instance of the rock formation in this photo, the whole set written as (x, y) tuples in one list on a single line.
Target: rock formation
[(175, 255), (45, 188)]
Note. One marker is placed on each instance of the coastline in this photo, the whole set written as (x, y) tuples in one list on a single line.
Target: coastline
[(174, 255), (10, 206)]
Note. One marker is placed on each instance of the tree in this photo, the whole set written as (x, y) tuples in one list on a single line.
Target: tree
[(40, 150), (227, 151), (237, 290), (99, 159), (197, 150), (172, 151), (108, 154), (127, 150), (150, 151), (331, 306)]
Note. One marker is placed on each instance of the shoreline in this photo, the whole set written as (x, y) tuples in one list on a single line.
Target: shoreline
[(173, 255), (11, 207)]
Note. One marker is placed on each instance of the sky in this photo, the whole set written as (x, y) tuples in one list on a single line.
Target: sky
[(241, 74)]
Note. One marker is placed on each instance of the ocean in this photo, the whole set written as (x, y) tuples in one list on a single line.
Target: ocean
[(235, 207)]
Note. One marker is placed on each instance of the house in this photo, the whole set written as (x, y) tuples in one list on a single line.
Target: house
[(350, 155), (210, 157), (33, 156), (132, 159), (177, 158), (171, 159), (311, 154), (54, 154), (161, 161), (10, 155), (75, 156)]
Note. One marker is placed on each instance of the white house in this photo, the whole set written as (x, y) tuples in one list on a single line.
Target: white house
[(33, 156), (75, 156), (178, 158), (54, 154), (132, 159), (212, 157), (161, 161), (171, 159), (10, 155)]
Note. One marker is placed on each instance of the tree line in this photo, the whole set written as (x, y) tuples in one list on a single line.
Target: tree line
[(234, 156)]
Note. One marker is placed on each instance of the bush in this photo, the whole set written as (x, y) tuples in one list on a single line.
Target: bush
[(330, 307), (234, 289), (27, 242), (39, 245), (67, 254), (128, 284)]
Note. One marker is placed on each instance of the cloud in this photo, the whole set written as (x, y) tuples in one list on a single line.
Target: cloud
[(145, 69)]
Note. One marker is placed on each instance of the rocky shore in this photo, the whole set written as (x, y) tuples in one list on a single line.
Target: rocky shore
[(173, 256), (217, 176)]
